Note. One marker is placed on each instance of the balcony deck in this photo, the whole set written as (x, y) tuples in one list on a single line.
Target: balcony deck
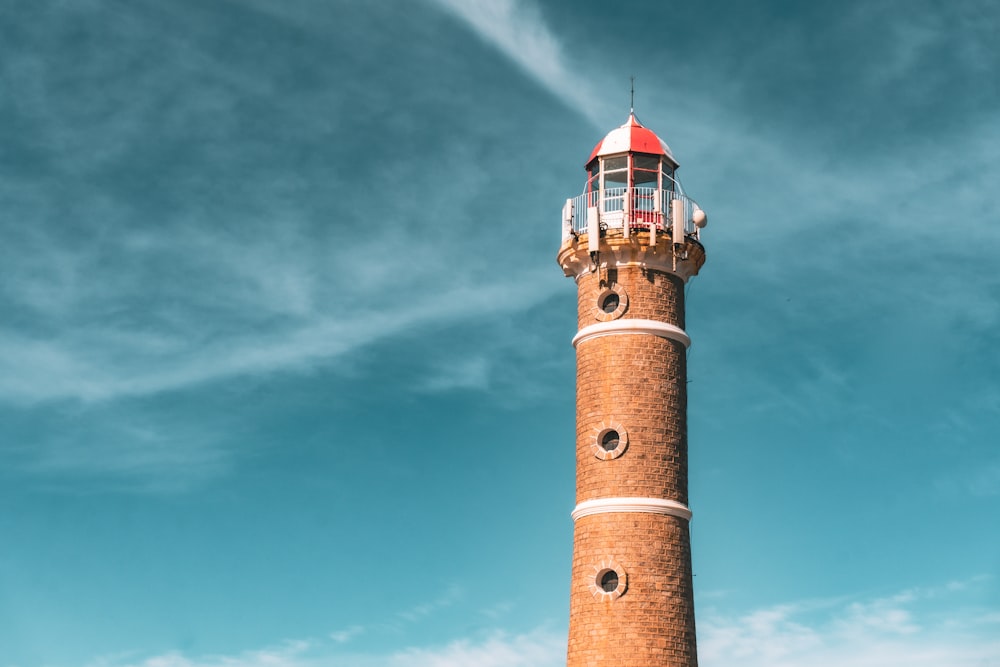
[(639, 208)]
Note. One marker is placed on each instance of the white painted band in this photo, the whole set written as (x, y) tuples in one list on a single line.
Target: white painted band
[(652, 327), (645, 505)]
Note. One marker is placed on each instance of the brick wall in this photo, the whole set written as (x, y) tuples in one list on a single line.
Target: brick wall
[(653, 295), (652, 623), (640, 382)]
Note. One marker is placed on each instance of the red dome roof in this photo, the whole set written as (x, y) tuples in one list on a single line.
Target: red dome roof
[(632, 137)]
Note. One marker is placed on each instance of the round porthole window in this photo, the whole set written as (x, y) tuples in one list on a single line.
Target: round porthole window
[(611, 303), (609, 440), (609, 580)]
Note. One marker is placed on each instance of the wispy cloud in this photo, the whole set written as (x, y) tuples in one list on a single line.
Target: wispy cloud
[(469, 373), (347, 634), (537, 649), (924, 627), (127, 455), (288, 654), (842, 229), (518, 29), (234, 273), (982, 481), (540, 648), (222, 269), (100, 363), (451, 595), (498, 610), (174, 221), (986, 482)]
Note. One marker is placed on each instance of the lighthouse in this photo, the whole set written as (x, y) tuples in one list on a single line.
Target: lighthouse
[(631, 242)]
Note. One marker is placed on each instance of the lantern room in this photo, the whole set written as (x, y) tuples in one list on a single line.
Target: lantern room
[(631, 156), (632, 185)]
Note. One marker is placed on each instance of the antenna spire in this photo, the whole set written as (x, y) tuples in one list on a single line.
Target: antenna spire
[(631, 102)]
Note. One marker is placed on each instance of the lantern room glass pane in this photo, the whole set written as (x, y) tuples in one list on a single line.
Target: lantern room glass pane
[(645, 162), (668, 177), (616, 179), (644, 179), (615, 163)]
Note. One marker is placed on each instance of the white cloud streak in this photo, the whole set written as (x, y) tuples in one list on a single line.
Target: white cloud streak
[(103, 364), (518, 29)]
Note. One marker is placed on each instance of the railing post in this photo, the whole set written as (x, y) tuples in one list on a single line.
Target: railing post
[(627, 208), (627, 226)]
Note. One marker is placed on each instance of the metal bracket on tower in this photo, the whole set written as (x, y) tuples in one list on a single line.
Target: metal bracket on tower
[(677, 220), (678, 215), (593, 229), (593, 235)]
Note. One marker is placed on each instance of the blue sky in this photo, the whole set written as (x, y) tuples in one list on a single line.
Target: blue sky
[(285, 373)]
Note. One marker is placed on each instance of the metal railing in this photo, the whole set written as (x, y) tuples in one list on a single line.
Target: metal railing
[(639, 208)]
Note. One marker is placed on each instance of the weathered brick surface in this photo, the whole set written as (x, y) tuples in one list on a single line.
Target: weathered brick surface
[(652, 295), (653, 622), (639, 381)]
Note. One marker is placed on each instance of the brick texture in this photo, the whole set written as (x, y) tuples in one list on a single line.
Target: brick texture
[(639, 381), (652, 295), (653, 622)]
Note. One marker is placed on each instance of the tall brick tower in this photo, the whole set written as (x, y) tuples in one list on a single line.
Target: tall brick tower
[(631, 242)]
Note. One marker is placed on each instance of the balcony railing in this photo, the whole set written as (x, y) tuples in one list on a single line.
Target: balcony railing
[(639, 208)]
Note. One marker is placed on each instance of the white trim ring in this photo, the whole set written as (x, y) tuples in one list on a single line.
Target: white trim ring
[(652, 327), (643, 505)]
